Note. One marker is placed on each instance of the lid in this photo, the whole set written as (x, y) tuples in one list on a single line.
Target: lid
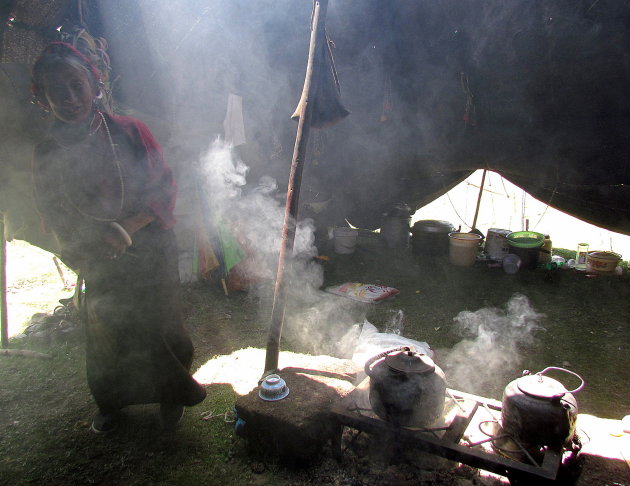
[(433, 226), (499, 232), (410, 362), (400, 208), (541, 386), (605, 255)]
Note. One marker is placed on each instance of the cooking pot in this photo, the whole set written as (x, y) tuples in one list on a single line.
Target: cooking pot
[(406, 388), (539, 410), (430, 237)]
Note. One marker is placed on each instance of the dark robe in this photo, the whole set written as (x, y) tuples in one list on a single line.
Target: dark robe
[(137, 348)]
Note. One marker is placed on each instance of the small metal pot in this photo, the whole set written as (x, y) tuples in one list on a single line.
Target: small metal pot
[(406, 388), (538, 410)]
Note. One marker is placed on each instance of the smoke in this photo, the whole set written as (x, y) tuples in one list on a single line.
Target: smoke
[(491, 348), (253, 217)]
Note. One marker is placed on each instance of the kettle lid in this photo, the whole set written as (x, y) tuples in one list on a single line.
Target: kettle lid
[(541, 386), (433, 226), (408, 361)]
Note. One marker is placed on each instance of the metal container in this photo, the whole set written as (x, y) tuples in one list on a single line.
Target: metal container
[(538, 410), (394, 232), (496, 245), (406, 388), (430, 237)]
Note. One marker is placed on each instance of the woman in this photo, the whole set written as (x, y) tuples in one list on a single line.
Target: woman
[(105, 191)]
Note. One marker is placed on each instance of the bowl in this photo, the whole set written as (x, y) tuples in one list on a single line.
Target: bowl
[(603, 261), (273, 388)]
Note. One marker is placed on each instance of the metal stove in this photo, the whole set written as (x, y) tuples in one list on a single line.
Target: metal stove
[(469, 433)]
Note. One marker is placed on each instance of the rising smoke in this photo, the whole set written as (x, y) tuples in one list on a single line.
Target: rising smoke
[(314, 320), (492, 345)]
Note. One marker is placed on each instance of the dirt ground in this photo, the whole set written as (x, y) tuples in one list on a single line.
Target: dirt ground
[(45, 406)]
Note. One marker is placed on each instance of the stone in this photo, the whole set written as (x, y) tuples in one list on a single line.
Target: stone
[(296, 428)]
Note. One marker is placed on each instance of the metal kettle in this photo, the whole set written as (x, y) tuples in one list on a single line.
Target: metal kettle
[(539, 410), (406, 388)]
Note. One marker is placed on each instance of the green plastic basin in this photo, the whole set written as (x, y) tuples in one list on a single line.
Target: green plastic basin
[(526, 239)]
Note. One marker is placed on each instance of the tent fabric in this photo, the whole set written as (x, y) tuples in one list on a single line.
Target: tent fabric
[(545, 81)]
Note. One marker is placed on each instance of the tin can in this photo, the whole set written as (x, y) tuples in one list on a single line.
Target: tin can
[(497, 245), (511, 263)]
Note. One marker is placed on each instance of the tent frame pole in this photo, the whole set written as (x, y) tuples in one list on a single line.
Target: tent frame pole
[(293, 189), (483, 180), (4, 322)]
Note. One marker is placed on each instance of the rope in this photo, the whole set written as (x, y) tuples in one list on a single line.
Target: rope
[(453, 206)]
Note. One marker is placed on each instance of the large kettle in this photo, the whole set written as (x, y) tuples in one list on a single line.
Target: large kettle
[(539, 410), (406, 388)]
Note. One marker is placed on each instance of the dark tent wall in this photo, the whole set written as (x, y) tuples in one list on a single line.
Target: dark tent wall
[(535, 90), (548, 85)]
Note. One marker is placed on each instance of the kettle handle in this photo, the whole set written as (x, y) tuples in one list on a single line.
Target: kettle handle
[(373, 359), (566, 371)]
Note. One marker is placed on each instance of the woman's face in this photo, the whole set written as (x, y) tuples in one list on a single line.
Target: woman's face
[(69, 91)]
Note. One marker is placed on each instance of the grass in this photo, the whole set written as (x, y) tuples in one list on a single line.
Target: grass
[(46, 411), (46, 408)]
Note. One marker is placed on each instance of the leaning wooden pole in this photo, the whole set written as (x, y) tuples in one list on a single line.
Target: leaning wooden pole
[(293, 189), (483, 181), (4, 322)]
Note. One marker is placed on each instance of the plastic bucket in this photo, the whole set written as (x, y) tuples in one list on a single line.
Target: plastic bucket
[(345, 240), (526, 244), (603, 261), (463, 248)]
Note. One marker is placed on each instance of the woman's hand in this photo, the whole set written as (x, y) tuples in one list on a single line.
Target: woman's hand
[(118, 239), (115, 243)]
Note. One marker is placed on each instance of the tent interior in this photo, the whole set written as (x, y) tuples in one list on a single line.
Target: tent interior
[(535, 91)]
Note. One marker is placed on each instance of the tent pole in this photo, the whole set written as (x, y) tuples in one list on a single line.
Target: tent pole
[(4, 323), (293, 189), (483, 180)]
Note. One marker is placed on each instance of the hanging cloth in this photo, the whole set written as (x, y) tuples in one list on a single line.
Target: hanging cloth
[(327, 106), (233, 126)]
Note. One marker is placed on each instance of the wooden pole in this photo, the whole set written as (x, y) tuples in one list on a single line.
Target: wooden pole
[(4, 323), (293, 189), (483, 180)]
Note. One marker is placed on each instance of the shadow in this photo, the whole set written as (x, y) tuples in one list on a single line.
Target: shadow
[(350, 377)]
